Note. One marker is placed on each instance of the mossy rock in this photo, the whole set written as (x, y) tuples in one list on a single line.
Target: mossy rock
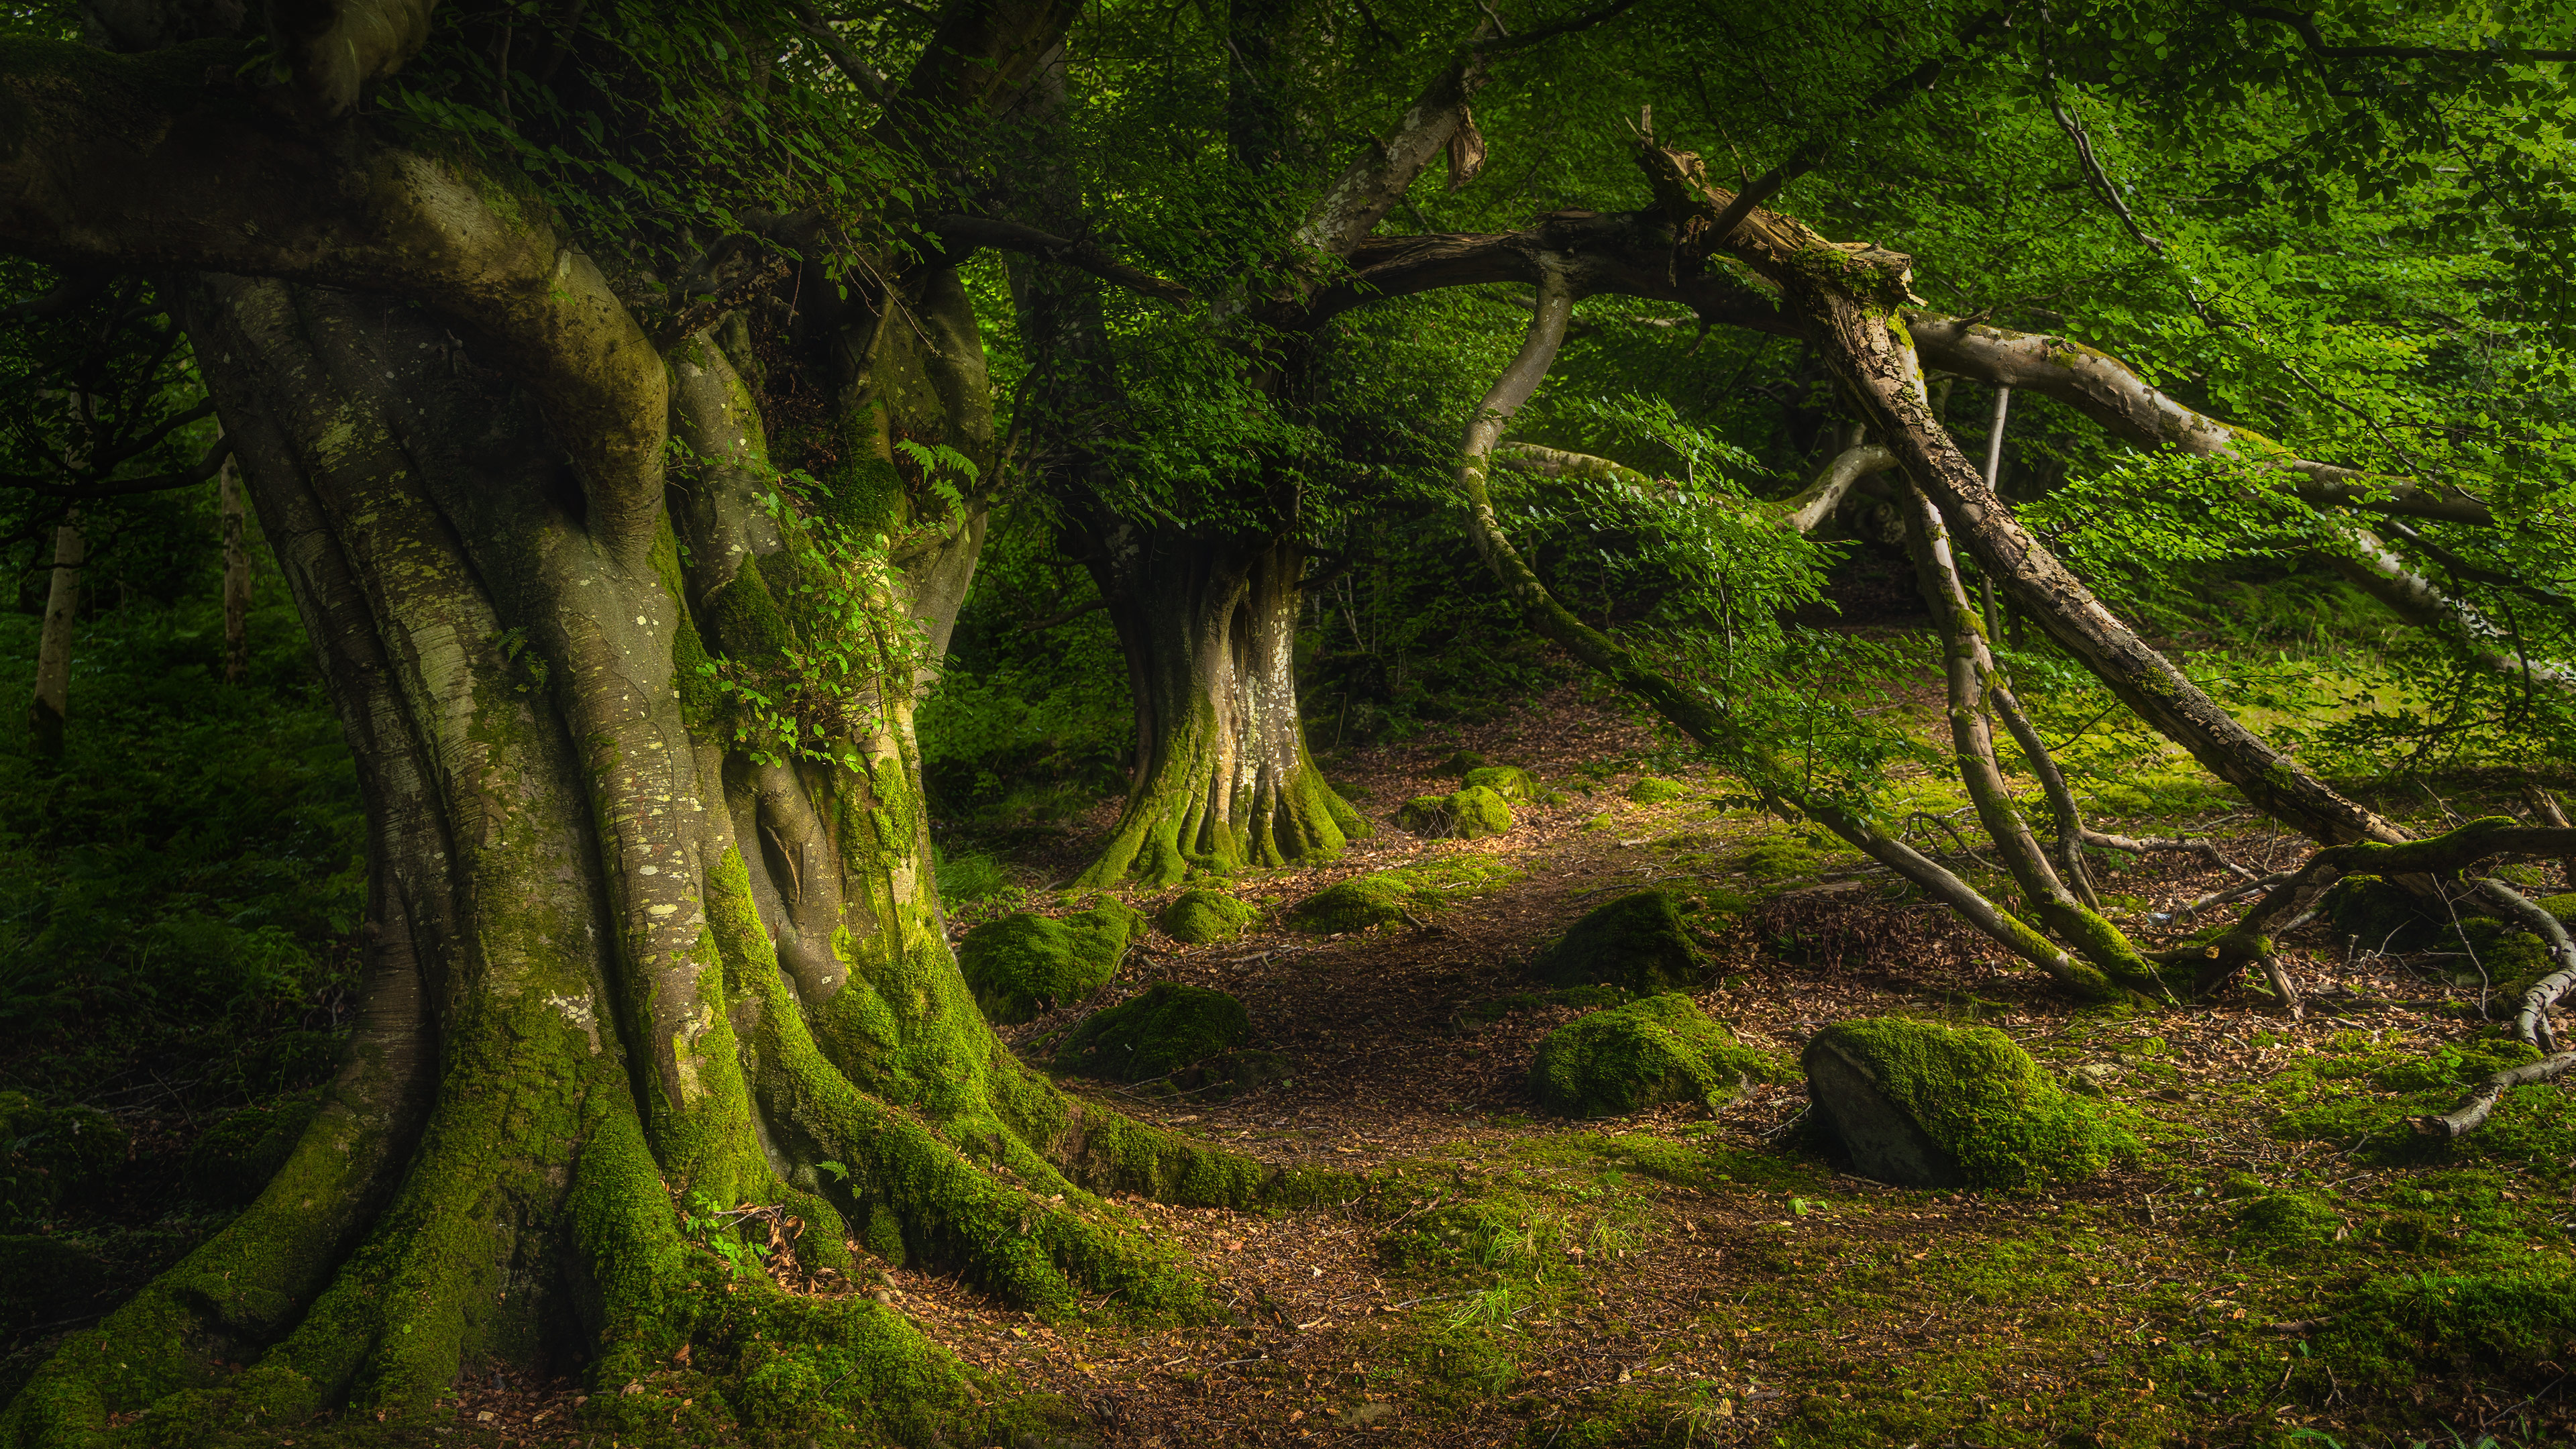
[(235, 1159), (1512, 783), (1203, 916), (1462, 762), (1025, 964), (1920, 1104), (1470, 814), (1354, 905), (2384, 915), (58, 1157), (1154, 1035), (1650, 790), (1627, 1058), (1637, 942)]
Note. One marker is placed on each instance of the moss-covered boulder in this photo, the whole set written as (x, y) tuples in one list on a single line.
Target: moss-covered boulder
[(2284, 1225), (1025, 964), (56, 1157), (1511, 782), (1354, 905), (1627, 1058), (1202, 916), (237, 1156), (1652, 790), (1637, 942), (1921, 1104), (1461, 762), (1154, 1035), (1470, 814)]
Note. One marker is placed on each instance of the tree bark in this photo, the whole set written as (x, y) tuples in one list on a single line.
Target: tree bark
[(52, 704), (1222, 778), (236, 577), (652, 922)]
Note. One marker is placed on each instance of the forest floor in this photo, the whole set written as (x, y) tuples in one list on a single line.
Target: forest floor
[(2283, 1263)]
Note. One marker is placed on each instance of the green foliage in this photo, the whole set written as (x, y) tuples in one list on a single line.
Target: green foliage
[(1637, 942), (188, 885), (1662, 1049), (1982, 1099), (1024, 964), (1201, 917), (1154, 1035)]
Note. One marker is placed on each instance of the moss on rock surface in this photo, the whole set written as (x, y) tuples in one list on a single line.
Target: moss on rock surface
[(1624, 1059), (1512, 783), (1154, 1035), (56, 1155), (1354, 905), (1637, 942), (1201, 916), (1462, 761), (1470, 814), (1649, 790), (1024, 964), (1927, 1105)]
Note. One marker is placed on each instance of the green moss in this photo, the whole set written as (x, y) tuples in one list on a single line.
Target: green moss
[(235, 1159), (57, 1157), (1025, 964), (866, 495), (1778, 857), (1355, 904), (1661, 1049), (1981, 1098), (748, 624), (1154, 1035), (44, 1278), (1650, 790), (1200, 917), (1637, 942), (1462, 761), (1512, 783), (2384, 915), (2284, 1225), (1470, 814)]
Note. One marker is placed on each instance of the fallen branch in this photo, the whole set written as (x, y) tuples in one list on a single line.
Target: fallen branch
[(2482, 1098), (2137, 846)]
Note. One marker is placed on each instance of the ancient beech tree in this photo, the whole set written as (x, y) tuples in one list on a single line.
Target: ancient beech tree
[(652, 931)]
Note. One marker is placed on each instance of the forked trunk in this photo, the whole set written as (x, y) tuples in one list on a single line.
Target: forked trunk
[(1222, 778)]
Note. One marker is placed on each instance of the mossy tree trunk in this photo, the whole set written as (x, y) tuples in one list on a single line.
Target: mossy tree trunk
[(652, 933), (52, 702), (1222, 777)]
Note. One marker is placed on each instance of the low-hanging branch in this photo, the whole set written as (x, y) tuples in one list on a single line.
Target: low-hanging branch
[(1693, 715)]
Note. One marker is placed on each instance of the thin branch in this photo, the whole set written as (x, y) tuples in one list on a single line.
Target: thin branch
[(870, 82), (205, 468), (960, 235), (1499, 43), (2305, 23), (1816, 148), (2482, 1098), (1808, 508)]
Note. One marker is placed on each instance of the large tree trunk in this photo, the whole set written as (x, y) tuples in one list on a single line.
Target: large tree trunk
[(626, 949), (1222, 778), (46, 712)]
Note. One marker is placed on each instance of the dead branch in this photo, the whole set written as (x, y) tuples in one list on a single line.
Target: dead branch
[(2052, 782), (2482, 1098)]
